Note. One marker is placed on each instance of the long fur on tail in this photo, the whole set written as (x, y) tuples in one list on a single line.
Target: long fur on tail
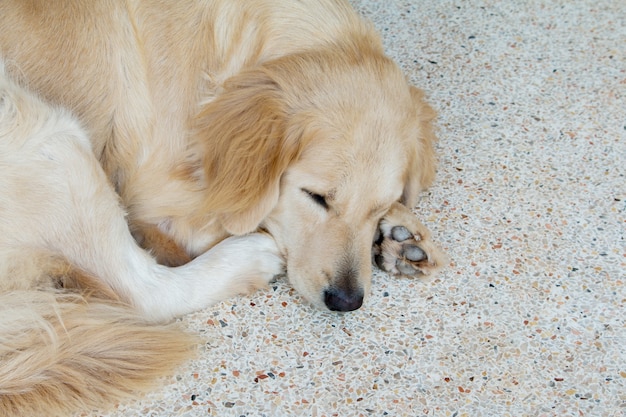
[(60, 353)]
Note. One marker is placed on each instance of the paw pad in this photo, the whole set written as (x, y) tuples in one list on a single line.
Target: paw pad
[(403, 247)]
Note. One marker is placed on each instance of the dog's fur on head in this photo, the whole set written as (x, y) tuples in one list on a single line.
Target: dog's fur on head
[(229, 138)]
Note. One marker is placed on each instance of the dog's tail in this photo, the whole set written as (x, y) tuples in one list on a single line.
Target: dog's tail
[(61, 352)]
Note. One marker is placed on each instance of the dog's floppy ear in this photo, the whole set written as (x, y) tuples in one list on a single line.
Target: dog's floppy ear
[(422, 163), (247, 146)]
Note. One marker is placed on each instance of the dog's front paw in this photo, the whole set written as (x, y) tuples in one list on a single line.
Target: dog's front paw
[(269, 261), (253, 259), (236, 265), (402, 245)]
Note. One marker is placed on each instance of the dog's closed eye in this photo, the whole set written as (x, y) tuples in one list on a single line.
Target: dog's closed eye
[(318, 198)]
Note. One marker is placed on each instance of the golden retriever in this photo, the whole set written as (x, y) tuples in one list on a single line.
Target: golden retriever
[(158, 156)]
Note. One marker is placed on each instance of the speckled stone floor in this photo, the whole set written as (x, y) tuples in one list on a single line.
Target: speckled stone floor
[(530, 205)]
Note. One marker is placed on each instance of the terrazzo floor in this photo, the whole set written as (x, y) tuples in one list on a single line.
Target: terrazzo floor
[(529, 204)]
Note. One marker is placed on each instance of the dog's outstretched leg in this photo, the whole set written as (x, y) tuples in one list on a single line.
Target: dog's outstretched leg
[(402, 245), (57, 198)]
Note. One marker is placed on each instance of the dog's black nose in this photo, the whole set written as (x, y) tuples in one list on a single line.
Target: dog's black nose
[(340, 300)]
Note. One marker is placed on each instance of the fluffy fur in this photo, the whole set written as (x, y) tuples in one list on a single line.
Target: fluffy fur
[(159, 156)]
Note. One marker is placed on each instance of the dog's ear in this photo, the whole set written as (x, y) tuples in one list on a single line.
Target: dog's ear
[(247, 146), (422, 160)]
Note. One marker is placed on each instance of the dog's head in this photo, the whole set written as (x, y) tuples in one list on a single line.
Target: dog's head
[(315, 148)]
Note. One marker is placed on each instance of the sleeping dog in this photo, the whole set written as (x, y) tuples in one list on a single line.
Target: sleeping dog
[(160, 156)]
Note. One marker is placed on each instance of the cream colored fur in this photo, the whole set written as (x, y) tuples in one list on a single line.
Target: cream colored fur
[(242, 134)]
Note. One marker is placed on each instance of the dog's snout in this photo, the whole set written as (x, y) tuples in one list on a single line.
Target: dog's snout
[(342, 300)]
